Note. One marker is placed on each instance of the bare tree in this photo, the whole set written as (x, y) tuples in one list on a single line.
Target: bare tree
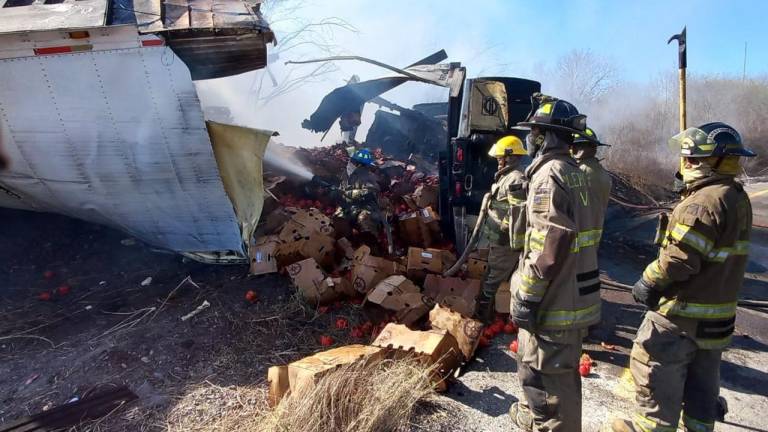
[(585, 76), (298, 38)]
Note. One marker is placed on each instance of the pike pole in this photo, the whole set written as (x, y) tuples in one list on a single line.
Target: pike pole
[(682, 64)]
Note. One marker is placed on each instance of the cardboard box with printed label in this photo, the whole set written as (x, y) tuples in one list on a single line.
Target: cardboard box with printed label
[(305, 223), (413, 231), (426, 196), (263, 255), (368, 270), (312, 282), (466, 331), (433, 347), (476, 268), (397, 293), (456, 293), (304, 374), (423, 261), (318, 246)]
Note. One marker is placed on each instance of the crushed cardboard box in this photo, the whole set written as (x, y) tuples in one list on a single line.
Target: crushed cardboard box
[(426, 196), (303, 374), (368, 270), (477, 264), (433, 347), (399, 294), (263, 255), (466, 331), (420, 228), (456, 293), (423, 261), (303, 224), (318, 246), (311, 281)]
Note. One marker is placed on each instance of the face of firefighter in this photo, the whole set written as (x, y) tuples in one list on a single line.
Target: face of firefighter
[(533, 141), (693, 169), (579, 151)]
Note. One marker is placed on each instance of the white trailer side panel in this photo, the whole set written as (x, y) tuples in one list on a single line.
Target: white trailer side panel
[(115, 137)]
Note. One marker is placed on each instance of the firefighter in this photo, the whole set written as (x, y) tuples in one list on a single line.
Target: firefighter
[(359, 190), (691, 289), (552, 302), (506, 220)]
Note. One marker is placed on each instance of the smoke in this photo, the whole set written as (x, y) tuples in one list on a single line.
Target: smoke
[(280, 157)]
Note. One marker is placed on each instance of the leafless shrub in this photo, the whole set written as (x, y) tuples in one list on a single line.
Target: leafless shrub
[(378, 397)]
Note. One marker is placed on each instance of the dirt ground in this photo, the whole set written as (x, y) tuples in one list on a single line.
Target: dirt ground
[(109, 330)]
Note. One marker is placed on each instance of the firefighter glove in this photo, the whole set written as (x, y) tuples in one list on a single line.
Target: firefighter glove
[(524, 313), (645, 294)]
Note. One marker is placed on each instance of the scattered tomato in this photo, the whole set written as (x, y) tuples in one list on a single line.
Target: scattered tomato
[(357, 332), (326, 340), (510, 328), (585, 359), (484, 342), (367, 327), (250, 296), (44, 296), (356, 301), (322, 310), (342, 323), (488, 333), (513, 346), (49, 274), (63, 290), (497, 327), (584, 369)]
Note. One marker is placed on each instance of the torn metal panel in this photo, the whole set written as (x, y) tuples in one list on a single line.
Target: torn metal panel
[(116, 137)]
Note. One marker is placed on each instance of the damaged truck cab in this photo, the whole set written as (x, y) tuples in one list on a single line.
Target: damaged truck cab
[(485, 110)]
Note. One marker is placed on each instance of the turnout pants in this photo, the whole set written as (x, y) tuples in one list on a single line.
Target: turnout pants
[(548, 368), (671, 374), (502, 261)]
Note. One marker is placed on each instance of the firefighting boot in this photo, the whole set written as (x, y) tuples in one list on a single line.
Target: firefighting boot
[(486, 309), (522, 417), (621, 425)]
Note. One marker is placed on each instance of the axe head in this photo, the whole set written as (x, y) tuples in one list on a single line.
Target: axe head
[(681, 43)]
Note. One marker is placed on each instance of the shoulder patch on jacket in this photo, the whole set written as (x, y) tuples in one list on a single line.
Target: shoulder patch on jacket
[(541, 199)]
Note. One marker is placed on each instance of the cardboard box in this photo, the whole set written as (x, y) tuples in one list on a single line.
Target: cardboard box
[(279, 384), (367, 270), (415, 306), (476, 268), (346, 249), (304, 223), (318, 246), (423, 261), (456, 293), (312, 282), (342, 286), (433, 347), (466, 331), (503, 298), (389, 292), (304, 374), (274, 222), (413, 231), (262, 255), (426, 196)]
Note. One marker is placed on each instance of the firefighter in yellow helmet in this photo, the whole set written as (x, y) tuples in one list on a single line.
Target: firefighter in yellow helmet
[(551, 302), (505, 227), (691, 289)]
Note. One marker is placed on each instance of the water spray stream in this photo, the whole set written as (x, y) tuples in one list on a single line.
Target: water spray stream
[(288, 162)]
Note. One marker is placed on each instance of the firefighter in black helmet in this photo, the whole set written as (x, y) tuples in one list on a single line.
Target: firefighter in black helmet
[(549, 303), (692, 288)]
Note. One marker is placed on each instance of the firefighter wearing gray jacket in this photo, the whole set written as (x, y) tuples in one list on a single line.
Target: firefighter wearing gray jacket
[(692, 288), (553, 299), (506, 221)]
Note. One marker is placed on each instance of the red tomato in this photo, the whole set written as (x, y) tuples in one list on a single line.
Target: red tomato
[(317, 204), (584, 369), (357, 332), (367, 327), (341, 323), (488, 333), (49, 274), (44, 296), (326, 340), (484, 342), (322, 309), (63, 290), (250, 296), (513, 346), (509, 328), (497, 327)]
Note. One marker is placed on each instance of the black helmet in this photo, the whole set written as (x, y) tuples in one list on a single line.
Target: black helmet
[(588, 137), (555, 114), (711, 139)]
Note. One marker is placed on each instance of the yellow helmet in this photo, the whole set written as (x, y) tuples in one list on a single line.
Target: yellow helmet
[(507, 146)]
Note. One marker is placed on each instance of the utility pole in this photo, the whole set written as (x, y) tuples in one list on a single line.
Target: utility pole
[(744, 69)]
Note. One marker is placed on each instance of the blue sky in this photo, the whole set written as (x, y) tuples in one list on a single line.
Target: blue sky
[(500, 37)]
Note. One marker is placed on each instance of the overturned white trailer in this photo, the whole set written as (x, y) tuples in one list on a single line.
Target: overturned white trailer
[(101, 120)]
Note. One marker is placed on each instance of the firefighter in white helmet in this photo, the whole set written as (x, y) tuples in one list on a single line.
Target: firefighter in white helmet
[(505, 227)]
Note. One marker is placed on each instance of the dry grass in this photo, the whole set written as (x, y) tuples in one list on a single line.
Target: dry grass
[(376, 397)]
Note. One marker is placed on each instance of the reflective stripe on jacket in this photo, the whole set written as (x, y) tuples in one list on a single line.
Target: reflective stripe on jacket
[(499, 216), (702, 260)]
